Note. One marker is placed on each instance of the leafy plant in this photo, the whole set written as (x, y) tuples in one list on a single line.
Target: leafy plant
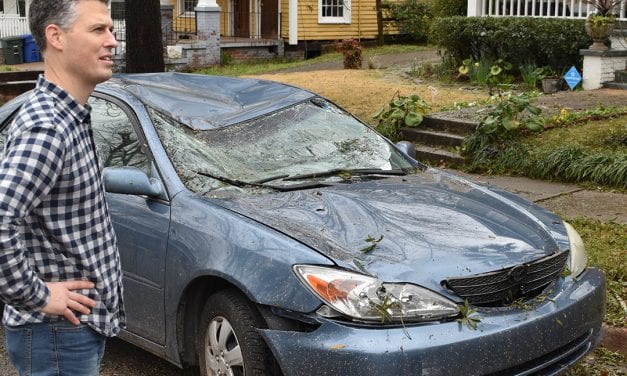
[(605, 8), (484, 72), (531, 75), (510, 113), (468, 315), (351, 50), (401, 112), (597, 20)]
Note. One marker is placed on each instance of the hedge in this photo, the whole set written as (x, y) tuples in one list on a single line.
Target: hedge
[(517, 40)]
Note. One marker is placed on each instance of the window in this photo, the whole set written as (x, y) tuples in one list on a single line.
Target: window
[(334, 11), (186, 7), (116, 139), (14, 7)]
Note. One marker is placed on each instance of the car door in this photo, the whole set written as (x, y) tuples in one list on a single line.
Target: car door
[(141, 223)]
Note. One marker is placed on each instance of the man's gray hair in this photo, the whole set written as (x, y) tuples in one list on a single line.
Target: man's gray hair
[(48, 12)]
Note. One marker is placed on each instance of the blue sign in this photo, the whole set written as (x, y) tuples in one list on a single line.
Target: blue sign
[(572, 78)]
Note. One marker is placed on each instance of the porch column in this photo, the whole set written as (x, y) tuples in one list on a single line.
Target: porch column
[(475, 8), (167, 17), (208, 31), (293, 22)]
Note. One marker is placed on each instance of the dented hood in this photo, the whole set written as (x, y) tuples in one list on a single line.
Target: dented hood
[(431, 226)]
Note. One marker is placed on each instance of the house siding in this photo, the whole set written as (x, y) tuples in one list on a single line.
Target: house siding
[(363, 22)]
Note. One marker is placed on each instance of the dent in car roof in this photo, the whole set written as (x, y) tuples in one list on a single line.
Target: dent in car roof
[(205, 102)]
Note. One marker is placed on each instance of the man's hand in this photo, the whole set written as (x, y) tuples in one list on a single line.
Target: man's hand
[(63, 300)]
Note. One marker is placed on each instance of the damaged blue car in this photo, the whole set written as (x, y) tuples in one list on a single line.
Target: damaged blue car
[(264, 230)]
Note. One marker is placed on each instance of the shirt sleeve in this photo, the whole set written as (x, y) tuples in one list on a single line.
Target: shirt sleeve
[(32, 163)]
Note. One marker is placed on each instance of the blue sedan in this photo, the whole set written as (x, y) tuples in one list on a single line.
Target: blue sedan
[(264, 230)]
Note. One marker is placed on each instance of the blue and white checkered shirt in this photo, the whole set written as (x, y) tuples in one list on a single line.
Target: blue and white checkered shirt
[(54, 221)]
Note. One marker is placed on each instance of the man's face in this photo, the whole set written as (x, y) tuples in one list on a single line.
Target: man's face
[(89, 43)]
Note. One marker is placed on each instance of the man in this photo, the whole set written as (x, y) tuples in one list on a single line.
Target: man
[(60, 274)]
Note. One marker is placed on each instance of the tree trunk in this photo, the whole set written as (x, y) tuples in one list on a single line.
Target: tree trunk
[(144, 49)]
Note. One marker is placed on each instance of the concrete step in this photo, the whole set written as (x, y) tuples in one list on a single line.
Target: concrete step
[(431, 137), (461, 122), (620, 76), (435, 156), (615, 85)]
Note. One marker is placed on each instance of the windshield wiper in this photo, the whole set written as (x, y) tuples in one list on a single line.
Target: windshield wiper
[(348, 172), (235, 182), (260, 183)]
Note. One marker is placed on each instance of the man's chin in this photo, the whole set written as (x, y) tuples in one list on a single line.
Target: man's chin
[(104, 76)]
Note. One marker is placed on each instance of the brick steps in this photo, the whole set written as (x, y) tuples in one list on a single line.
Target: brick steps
[(620, 80), (440, 135)]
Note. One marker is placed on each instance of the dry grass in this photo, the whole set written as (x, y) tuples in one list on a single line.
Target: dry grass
[(363, 92)]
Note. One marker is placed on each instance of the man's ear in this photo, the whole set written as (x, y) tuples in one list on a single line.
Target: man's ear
[(55, 37)]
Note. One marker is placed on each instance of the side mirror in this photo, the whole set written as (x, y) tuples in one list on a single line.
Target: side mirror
[(407, 148), (131, 181)]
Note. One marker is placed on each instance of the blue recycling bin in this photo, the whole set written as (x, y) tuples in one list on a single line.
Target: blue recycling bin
[(31, 50)]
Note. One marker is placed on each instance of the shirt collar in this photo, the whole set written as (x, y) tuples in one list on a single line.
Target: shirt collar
[(66, 100)]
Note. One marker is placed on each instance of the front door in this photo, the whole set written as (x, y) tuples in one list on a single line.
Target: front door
[(269, 18), (241, 18)]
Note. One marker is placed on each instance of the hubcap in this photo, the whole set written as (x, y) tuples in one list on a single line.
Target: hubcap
[(223, 354)]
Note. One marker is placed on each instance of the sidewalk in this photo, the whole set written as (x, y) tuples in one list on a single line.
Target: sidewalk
[(567, 200)]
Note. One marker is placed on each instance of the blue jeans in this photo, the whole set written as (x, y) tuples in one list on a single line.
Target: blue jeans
[(57, 348)]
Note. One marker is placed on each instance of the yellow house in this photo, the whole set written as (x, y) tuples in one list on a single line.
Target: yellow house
[(293, 21)]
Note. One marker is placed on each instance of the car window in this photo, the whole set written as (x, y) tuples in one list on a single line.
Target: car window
[(116, 139)]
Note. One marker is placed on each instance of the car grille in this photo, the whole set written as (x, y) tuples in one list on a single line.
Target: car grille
[(504, 286)]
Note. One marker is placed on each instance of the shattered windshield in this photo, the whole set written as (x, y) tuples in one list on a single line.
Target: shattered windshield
[(310, 138)]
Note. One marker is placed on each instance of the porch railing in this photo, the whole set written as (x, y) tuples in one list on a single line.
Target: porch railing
[(13, 25), (537, 8)]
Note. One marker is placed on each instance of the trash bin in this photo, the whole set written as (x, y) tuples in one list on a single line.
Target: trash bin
[(13, 50), (31, 50)]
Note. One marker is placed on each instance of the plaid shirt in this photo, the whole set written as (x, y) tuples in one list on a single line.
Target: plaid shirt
[(54, 221)]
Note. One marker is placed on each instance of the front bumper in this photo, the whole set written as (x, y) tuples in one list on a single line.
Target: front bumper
[(545, 339)]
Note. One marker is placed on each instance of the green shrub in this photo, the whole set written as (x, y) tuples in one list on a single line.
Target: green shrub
[(518, 40), (448, 8), (413, 18)]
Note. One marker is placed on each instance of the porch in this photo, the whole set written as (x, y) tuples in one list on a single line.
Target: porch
[(537, 8), (13, 25)]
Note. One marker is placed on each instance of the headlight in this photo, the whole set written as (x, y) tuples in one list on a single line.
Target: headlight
[(577, 259), (368, 299)]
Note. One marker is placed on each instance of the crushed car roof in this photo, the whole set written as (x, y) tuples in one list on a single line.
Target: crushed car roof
[(205, 102)]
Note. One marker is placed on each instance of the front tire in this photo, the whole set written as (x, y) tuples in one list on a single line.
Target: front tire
[(228, 342)]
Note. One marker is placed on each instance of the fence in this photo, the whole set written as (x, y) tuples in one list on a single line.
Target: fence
[(13, 25), (538, 8)]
